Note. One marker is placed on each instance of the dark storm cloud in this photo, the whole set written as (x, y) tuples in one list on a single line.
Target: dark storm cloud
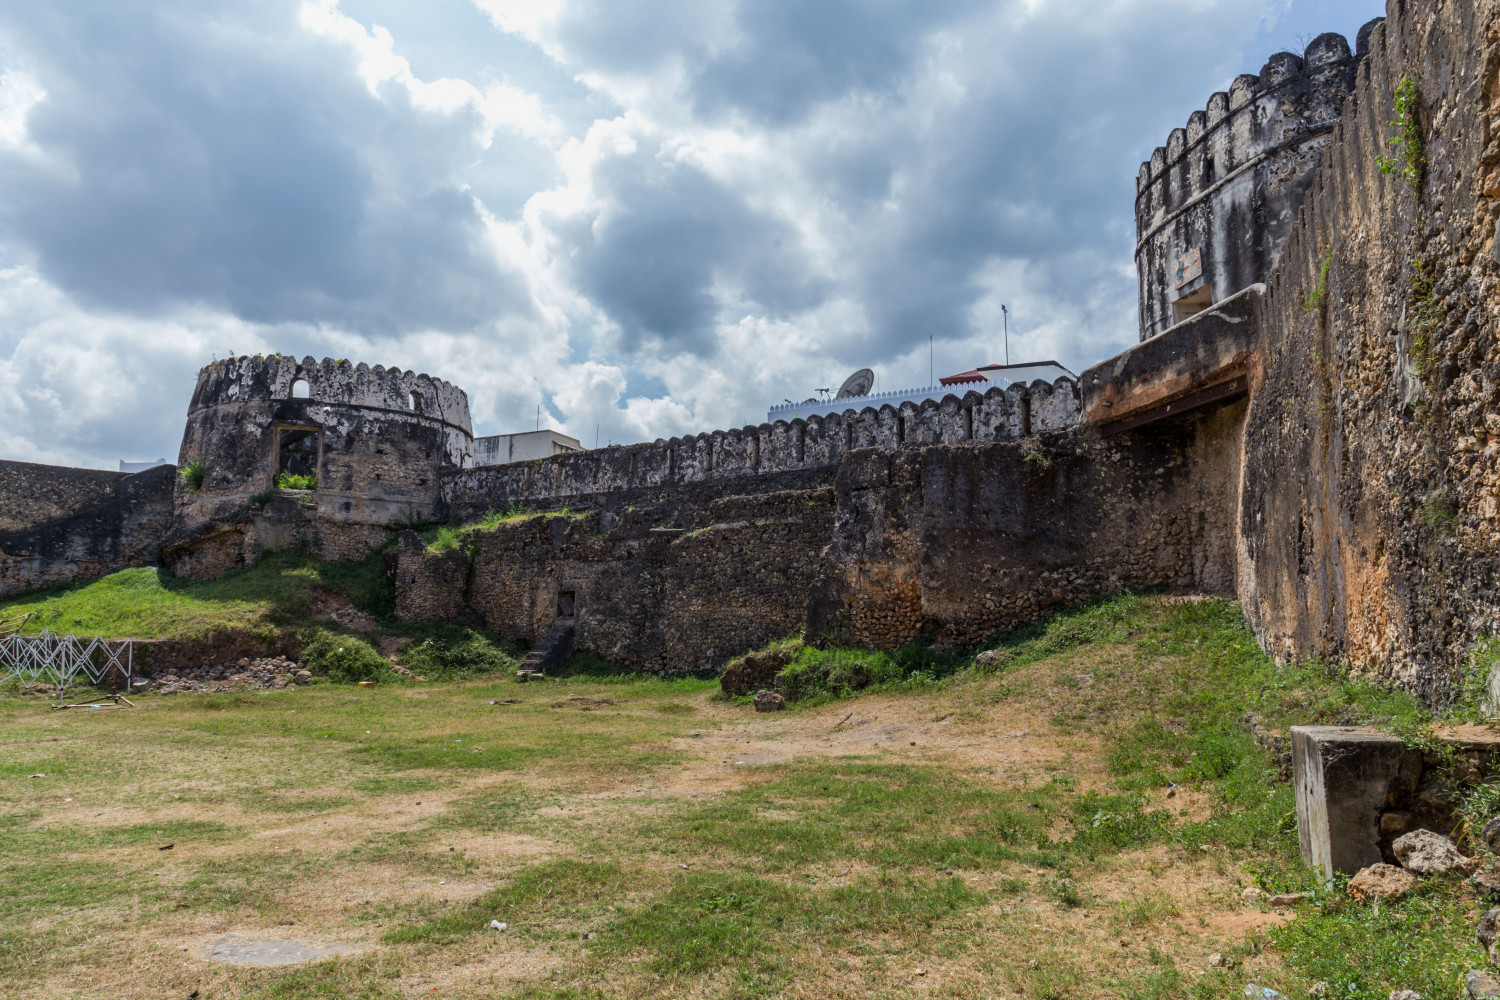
[(225, 157), (793, 55), (703, 202), (670, 234)]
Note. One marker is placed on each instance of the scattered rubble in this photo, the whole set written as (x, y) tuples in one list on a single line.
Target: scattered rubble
[(1382, 882), (265, 673), (769, 701), (1427, 853)]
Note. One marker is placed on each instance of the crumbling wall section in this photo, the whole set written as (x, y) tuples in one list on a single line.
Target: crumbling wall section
[(1372, 477), (654, 598), (956, 544), (113, 521)]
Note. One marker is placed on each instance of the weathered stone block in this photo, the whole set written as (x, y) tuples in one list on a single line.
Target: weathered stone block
[(1342, 776)]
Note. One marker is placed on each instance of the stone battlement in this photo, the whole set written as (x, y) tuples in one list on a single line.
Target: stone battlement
[(813, 442), (268, 377), (1214, 205), (1302, 83)]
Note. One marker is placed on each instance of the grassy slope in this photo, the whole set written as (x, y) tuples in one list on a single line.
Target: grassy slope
[(632, 858), (150, 603)]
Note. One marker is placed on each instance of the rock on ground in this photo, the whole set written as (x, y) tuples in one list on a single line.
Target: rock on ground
[(1405, 995), (1480, 985), (1491, 835), (1427, 853), (1382, 882), (769, 701), (754, 671), (1489, 930)]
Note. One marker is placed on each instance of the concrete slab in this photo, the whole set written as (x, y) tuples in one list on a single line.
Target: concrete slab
[(266, 952), (1344, 777), (1200, 361)]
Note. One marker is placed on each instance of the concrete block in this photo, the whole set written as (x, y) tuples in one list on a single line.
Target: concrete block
[(1343, 777)]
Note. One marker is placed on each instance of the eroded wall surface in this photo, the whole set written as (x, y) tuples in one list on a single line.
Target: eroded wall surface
[(77, 524), (1372, 482), (951, 542)]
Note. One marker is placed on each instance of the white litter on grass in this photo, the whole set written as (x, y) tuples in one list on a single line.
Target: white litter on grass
[(497, 925)]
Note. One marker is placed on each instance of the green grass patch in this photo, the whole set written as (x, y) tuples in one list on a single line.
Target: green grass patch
[(894, 815), (150, 603)]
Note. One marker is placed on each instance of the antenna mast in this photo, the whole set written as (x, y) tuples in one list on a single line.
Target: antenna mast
[(1005, 318)]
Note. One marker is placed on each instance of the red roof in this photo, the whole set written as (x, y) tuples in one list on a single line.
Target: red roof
[(963, 377)]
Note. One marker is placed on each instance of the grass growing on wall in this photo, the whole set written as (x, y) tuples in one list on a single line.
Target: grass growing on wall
[(150, 603), (447, 537)]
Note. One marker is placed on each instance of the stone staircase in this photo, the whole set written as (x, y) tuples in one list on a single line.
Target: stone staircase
[(554, 646)]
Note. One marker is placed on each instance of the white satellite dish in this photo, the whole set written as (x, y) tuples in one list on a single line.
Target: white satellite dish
[(858, 384)]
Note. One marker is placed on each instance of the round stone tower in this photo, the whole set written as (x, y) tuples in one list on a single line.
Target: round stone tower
[(360, 448), (1214, 205)]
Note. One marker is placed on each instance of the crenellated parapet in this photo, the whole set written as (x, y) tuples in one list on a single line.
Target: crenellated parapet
[(1215, 204), (363, 447), (332, 382), (814, 442)]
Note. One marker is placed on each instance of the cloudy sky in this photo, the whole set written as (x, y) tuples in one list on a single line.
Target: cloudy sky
[(647, 217)]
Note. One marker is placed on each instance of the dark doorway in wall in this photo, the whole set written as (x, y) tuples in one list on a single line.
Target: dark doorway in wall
[(1192, 304), (565, 603), (297, 452)]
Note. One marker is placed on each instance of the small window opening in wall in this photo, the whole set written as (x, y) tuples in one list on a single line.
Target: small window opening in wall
[(299, 389), (416, 403), (1208, 171), (297, 457), (1192, 304), (565, 603)]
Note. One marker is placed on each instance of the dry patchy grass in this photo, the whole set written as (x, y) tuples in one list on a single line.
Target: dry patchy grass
[(1002, 835)]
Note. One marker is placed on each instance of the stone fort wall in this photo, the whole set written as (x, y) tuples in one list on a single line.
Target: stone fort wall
[(802, 445), (1368, 520), (58, 525), (1227, 186)]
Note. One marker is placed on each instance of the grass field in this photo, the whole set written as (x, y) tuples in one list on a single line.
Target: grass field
[(1011, 833)]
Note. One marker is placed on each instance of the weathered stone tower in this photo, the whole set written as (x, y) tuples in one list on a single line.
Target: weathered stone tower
[(375, 439), (1214, 205)]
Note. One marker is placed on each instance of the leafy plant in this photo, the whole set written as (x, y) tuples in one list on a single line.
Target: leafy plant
[(1410, 159), (344, 658), (1035, 457), (452, 651), (193, 474), (292, 481)]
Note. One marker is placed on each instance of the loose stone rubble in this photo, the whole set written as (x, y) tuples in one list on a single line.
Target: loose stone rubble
[(265, 673), (1427, 853), (1382, 882)]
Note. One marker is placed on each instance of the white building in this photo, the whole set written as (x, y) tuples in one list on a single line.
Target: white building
[(981, 379), (502, 449)]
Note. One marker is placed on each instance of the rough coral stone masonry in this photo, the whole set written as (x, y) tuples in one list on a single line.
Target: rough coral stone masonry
[(1311, 423)]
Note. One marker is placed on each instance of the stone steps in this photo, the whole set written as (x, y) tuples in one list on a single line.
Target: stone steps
[(553, 647)]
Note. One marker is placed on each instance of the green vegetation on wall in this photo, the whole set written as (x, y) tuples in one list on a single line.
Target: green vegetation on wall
[(1410, 159), (193, 474)]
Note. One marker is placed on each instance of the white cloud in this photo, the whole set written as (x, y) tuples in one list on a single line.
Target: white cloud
[(19, 93), (655, 218)]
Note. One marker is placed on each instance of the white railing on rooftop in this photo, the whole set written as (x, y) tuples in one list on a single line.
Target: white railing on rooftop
[(1046, 371)]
